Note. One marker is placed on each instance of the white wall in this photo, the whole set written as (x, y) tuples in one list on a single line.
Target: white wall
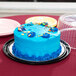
[(16, 8)]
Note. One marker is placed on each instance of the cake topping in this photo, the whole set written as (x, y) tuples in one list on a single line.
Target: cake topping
[(46, 25), (40, 35), (43, 23), (31, 34), (19, 29), (28, 31), (23, 28), (24, 31), (38, 23), (53, 29), (22, 34), (46, 35)]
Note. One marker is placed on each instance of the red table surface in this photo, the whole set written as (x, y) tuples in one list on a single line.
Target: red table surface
[(8, 67)]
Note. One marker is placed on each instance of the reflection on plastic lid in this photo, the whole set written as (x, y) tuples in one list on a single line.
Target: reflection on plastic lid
[(69, 35)]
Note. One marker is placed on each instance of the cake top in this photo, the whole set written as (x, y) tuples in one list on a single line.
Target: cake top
[(36, 32)]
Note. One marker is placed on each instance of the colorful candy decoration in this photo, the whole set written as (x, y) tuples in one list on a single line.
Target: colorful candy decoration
[(45, 35), (23, 28), (31, 34), (53, 29), (44, 24), (24, 31), (41, 23), (22, 34), (40, 35), (19, 29), (49, 30), (38, 23), (28, 31)]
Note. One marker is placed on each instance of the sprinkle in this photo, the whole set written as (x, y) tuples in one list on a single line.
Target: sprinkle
[(40, 35), (46, 35), (43, 23), (53, 29), (28, 31), (46, 25), (29, 35), (19, 29), (23, 28), (49, 30), (39, 23), (24, 31), (22, 34)]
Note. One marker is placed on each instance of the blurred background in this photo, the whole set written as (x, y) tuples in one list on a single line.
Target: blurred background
[(40, 0), (46, 7)]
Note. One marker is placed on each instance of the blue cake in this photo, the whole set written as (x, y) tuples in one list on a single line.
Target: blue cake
[(35, 42)]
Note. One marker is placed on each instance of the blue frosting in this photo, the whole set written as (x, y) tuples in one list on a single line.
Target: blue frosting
[(54, 29), (33, 57), (32, 34), (46, 35), (39, 44)]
